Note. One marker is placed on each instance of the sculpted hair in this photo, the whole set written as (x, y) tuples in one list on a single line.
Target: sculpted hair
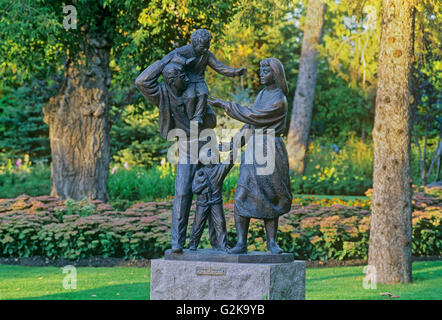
[(278, 72), (200, 35), (171, 71)]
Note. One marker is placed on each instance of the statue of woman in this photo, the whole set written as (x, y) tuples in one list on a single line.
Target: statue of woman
[(264, 196)]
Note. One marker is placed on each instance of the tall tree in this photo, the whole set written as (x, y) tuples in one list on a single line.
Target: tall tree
[(390, 233), (297, 141), (112, 36), (78, 119)]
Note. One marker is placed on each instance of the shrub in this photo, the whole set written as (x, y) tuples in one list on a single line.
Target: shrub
[(336, 170), (156, 183), (83, 208), (138, 183), (354, 157), (19, 176), (316, 230), (34, 226), (329, 182), (135, 136)]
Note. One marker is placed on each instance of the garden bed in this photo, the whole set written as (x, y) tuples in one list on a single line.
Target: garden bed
[(315, 228)]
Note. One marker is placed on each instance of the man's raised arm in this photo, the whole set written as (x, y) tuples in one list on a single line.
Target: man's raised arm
[(147, 82)]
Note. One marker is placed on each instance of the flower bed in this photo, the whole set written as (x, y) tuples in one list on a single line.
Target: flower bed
[(316, 230)]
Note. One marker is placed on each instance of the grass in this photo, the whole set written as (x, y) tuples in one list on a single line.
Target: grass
[(45, 283), (344, 283)]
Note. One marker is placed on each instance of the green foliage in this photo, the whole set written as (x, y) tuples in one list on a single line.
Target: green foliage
[(261, 29), (339, 110), (351, 41), (22, 130), (350, 46), (156, 183), (34, 45), (336, 170), (135, 137), (31, 40), (415, 164), (24, 179), (354, 157), (330, 183), (138, 183), (346, 85), (258, 30), (427, 239), (427, 34), (229, 185), (426, 90), (346, 168), (340, 232), (82, 208)]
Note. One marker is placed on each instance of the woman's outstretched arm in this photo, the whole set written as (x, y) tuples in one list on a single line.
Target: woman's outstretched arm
[(258, 115)]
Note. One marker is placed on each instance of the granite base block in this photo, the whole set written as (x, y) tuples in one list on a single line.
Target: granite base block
[(217, 256), (203, 280)]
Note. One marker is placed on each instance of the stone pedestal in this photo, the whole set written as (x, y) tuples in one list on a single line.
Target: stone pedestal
[(207, 280)]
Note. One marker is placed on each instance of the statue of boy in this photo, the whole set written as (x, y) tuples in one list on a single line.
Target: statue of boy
[(195, 57), (208, 185)]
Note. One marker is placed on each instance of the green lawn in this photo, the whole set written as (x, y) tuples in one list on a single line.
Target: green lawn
[(346, 283), (46, 283), (133, 283)]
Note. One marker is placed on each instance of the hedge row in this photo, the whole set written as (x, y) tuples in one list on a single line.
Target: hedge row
[(333, 185), (45, 226)]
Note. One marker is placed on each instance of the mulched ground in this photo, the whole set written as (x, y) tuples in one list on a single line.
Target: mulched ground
[(142, 263)]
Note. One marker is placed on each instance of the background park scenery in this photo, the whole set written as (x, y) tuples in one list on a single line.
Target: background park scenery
[(83, 169)]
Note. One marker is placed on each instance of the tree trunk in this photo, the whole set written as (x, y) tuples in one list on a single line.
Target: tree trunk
[(390, 233), (297, 141), (78, 119)]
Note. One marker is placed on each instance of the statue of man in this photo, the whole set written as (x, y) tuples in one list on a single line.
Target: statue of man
[(168, 96)]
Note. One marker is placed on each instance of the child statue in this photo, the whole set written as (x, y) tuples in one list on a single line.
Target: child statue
[(208, 185), (196, 57)]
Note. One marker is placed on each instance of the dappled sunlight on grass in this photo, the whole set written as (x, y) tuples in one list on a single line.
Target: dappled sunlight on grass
[(46, 283)]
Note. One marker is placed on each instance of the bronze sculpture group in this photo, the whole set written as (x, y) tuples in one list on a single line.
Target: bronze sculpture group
[(182, 98)]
